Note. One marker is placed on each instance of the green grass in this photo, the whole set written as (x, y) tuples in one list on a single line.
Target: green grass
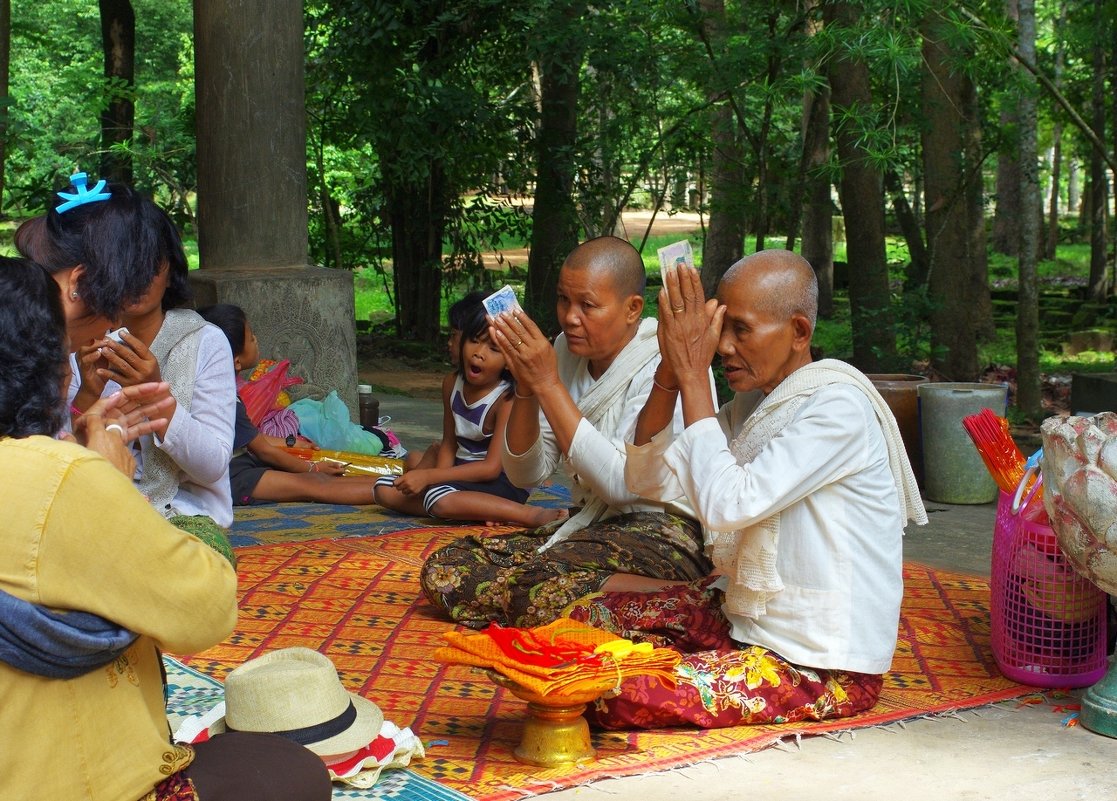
[(370, 301), (650, 253)]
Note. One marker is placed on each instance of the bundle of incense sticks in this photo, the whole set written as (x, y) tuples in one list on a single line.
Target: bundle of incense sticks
[(1003, 459)]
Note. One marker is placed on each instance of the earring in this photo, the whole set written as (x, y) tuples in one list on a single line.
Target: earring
[(73, 295)]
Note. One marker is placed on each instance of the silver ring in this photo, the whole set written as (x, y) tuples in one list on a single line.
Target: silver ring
[(119, 429)]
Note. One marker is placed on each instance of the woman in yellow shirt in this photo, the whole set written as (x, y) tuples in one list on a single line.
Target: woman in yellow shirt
[(78, 536)]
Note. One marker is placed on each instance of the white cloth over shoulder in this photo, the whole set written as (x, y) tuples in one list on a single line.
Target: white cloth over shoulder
[(803, 512), (595, 463), (748, 557)]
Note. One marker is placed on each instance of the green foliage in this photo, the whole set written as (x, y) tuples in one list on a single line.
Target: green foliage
[(422, 117), (415, 109), (54, 119), (482, 224), (58, 90)]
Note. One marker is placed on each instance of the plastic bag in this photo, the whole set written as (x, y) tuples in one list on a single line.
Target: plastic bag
[(327, 423), (259, 395), (356, 464)]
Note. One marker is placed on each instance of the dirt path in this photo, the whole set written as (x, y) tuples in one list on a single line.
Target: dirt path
[(423, 379), (397, 377), (633, 224)]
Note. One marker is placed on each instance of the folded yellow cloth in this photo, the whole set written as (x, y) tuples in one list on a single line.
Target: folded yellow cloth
[(565, 657)]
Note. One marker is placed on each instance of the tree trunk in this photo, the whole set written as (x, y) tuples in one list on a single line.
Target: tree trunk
[(1096, 287), (5, 71), (418, 219), (725, 235), (554, 218), (118, 38), (330, 211), (1111, 282), (1052, 240), (1028, 394), (909, 227), (818, 208), (1074, 187), (764, 188), (1006, 217), (954, 218), (861, 191)]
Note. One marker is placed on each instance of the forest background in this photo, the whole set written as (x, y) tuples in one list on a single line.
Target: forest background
[(945, 166)]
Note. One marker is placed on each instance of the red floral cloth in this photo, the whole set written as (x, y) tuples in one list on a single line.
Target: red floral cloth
[(718, 682), (175, 787)]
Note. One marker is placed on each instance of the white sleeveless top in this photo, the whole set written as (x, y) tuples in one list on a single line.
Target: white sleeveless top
[(470, 418)]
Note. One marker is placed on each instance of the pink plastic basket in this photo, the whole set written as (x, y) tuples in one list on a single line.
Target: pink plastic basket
[(1048, 622)]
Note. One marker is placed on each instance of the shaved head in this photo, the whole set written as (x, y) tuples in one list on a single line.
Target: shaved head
[(785, 282), (613, 257)]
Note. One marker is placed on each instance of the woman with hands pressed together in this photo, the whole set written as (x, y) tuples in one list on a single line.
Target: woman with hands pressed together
[(574, 408), (118, 259), (689, 330), (94, 245), (184, 471)]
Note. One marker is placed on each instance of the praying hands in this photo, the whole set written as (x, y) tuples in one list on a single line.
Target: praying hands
[(528, 354)]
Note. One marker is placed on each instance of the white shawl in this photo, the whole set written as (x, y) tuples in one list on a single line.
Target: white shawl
[(602, 406), (747, 557)]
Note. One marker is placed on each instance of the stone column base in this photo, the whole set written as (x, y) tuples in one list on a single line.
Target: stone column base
[(304, 314)]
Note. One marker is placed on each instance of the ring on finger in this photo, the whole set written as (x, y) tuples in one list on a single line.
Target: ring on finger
[(518, 343), (119, 429), (677, 309)]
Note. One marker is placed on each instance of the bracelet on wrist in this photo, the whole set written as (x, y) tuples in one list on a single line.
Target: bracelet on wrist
[(516, 394), (655, 381)]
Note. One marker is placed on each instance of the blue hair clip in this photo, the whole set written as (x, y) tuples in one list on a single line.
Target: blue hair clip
[(81, 194)]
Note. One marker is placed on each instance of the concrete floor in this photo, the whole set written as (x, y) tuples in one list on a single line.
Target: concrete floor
[(996, 752)]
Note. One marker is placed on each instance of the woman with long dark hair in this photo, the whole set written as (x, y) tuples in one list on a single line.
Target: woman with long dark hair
[(101, 246), (119, 259)]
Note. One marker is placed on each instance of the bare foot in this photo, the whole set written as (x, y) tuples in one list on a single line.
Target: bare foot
[(543, 516), (538, 517)]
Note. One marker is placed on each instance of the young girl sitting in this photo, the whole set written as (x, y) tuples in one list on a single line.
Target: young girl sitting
[(260, 469), (467, 481)]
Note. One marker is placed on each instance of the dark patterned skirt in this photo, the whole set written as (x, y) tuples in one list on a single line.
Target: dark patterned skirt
[(504, 578)]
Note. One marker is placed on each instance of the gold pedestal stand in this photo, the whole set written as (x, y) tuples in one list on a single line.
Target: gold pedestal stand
[(555, 732)]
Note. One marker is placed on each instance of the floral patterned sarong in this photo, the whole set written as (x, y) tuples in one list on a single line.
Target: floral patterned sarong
[(719, 682), (504, 578)]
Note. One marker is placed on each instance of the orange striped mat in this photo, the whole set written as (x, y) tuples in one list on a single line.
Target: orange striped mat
[(357, 600)]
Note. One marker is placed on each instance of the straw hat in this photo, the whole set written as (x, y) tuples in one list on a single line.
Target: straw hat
[(296, 692)]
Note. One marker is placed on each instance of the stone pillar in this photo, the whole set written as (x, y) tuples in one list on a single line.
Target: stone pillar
[(252, 192)]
